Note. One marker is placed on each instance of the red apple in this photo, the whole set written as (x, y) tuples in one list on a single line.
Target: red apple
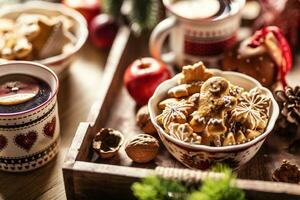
[(142, 78), (103, 30), (88, 8)]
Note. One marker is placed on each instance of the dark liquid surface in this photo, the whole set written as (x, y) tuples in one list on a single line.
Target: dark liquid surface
[(43, 94)]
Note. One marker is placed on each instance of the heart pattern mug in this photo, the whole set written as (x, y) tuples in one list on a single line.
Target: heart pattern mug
[(197, 30), (29, 138)]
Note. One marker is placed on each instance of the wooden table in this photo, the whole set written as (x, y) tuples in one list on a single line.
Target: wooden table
[(78, 89)]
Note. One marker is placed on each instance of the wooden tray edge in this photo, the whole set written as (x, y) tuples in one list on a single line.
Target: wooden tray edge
[(252, 187)]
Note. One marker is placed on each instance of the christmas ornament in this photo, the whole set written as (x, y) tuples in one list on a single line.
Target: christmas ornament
[(283, 13), (265, 56), (143, 76), (103, 30)]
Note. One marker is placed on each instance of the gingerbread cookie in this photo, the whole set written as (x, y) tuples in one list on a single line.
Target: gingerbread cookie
[(175, 112), (209, 110), (184, 132), (194, 73), (214, 102), (252, 110), (35, 37), (185, 90)]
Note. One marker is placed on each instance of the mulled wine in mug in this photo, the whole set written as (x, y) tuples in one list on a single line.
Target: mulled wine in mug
[(197, 30), (29, 121)]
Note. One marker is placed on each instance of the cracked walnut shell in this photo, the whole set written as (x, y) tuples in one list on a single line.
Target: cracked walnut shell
[(107, 142)]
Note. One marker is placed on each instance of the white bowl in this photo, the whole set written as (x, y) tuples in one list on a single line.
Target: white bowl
[(202, 156), (60, 62)]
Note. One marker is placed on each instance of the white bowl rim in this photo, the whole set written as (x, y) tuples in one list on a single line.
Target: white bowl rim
[(271, 123), (75, 15)]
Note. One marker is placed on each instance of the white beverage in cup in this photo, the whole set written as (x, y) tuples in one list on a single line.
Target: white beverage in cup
[(198, 30)]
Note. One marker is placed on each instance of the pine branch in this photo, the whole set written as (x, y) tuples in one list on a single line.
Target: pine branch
[(156, 188), (144, 14), (112, 7)]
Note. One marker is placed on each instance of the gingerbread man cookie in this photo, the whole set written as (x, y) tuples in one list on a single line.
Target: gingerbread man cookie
[(214, 102)]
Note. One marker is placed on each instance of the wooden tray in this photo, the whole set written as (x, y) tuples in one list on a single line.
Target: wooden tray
[(87, 177)]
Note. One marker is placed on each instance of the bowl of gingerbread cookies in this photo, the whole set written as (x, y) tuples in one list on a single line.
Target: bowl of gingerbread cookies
[(208, 116), (44, 32)]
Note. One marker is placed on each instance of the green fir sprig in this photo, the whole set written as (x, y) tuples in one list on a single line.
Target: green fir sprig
[(144, 14), (222, 189), (112, 7), (156, 188), (140, 14)]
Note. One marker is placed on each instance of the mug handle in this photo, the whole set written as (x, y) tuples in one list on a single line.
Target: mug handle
[(158, 37)]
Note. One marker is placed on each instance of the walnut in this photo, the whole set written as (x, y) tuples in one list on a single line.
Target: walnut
[(142, 148), (143, 121), (107, 142)]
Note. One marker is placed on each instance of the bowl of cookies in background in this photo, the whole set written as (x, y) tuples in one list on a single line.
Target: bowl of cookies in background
[(208, 116), (43, 32)]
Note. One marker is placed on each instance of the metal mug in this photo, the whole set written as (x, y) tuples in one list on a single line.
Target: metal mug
[(30, 139), (200, 38)]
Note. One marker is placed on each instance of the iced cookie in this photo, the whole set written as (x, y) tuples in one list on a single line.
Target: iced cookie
[(194, 73), (184, 90), (184, 132), (252, 110), (175, 112), (214, 102), (7, 25), (50, 40)]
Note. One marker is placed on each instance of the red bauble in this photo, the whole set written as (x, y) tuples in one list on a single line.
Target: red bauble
[(103, 30), (142, 78), (88, 8)]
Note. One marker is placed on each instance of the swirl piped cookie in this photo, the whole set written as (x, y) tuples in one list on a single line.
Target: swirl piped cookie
[(214, 112)]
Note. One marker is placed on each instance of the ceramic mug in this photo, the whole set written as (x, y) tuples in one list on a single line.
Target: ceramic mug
[(30, 139), (204, 36)]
